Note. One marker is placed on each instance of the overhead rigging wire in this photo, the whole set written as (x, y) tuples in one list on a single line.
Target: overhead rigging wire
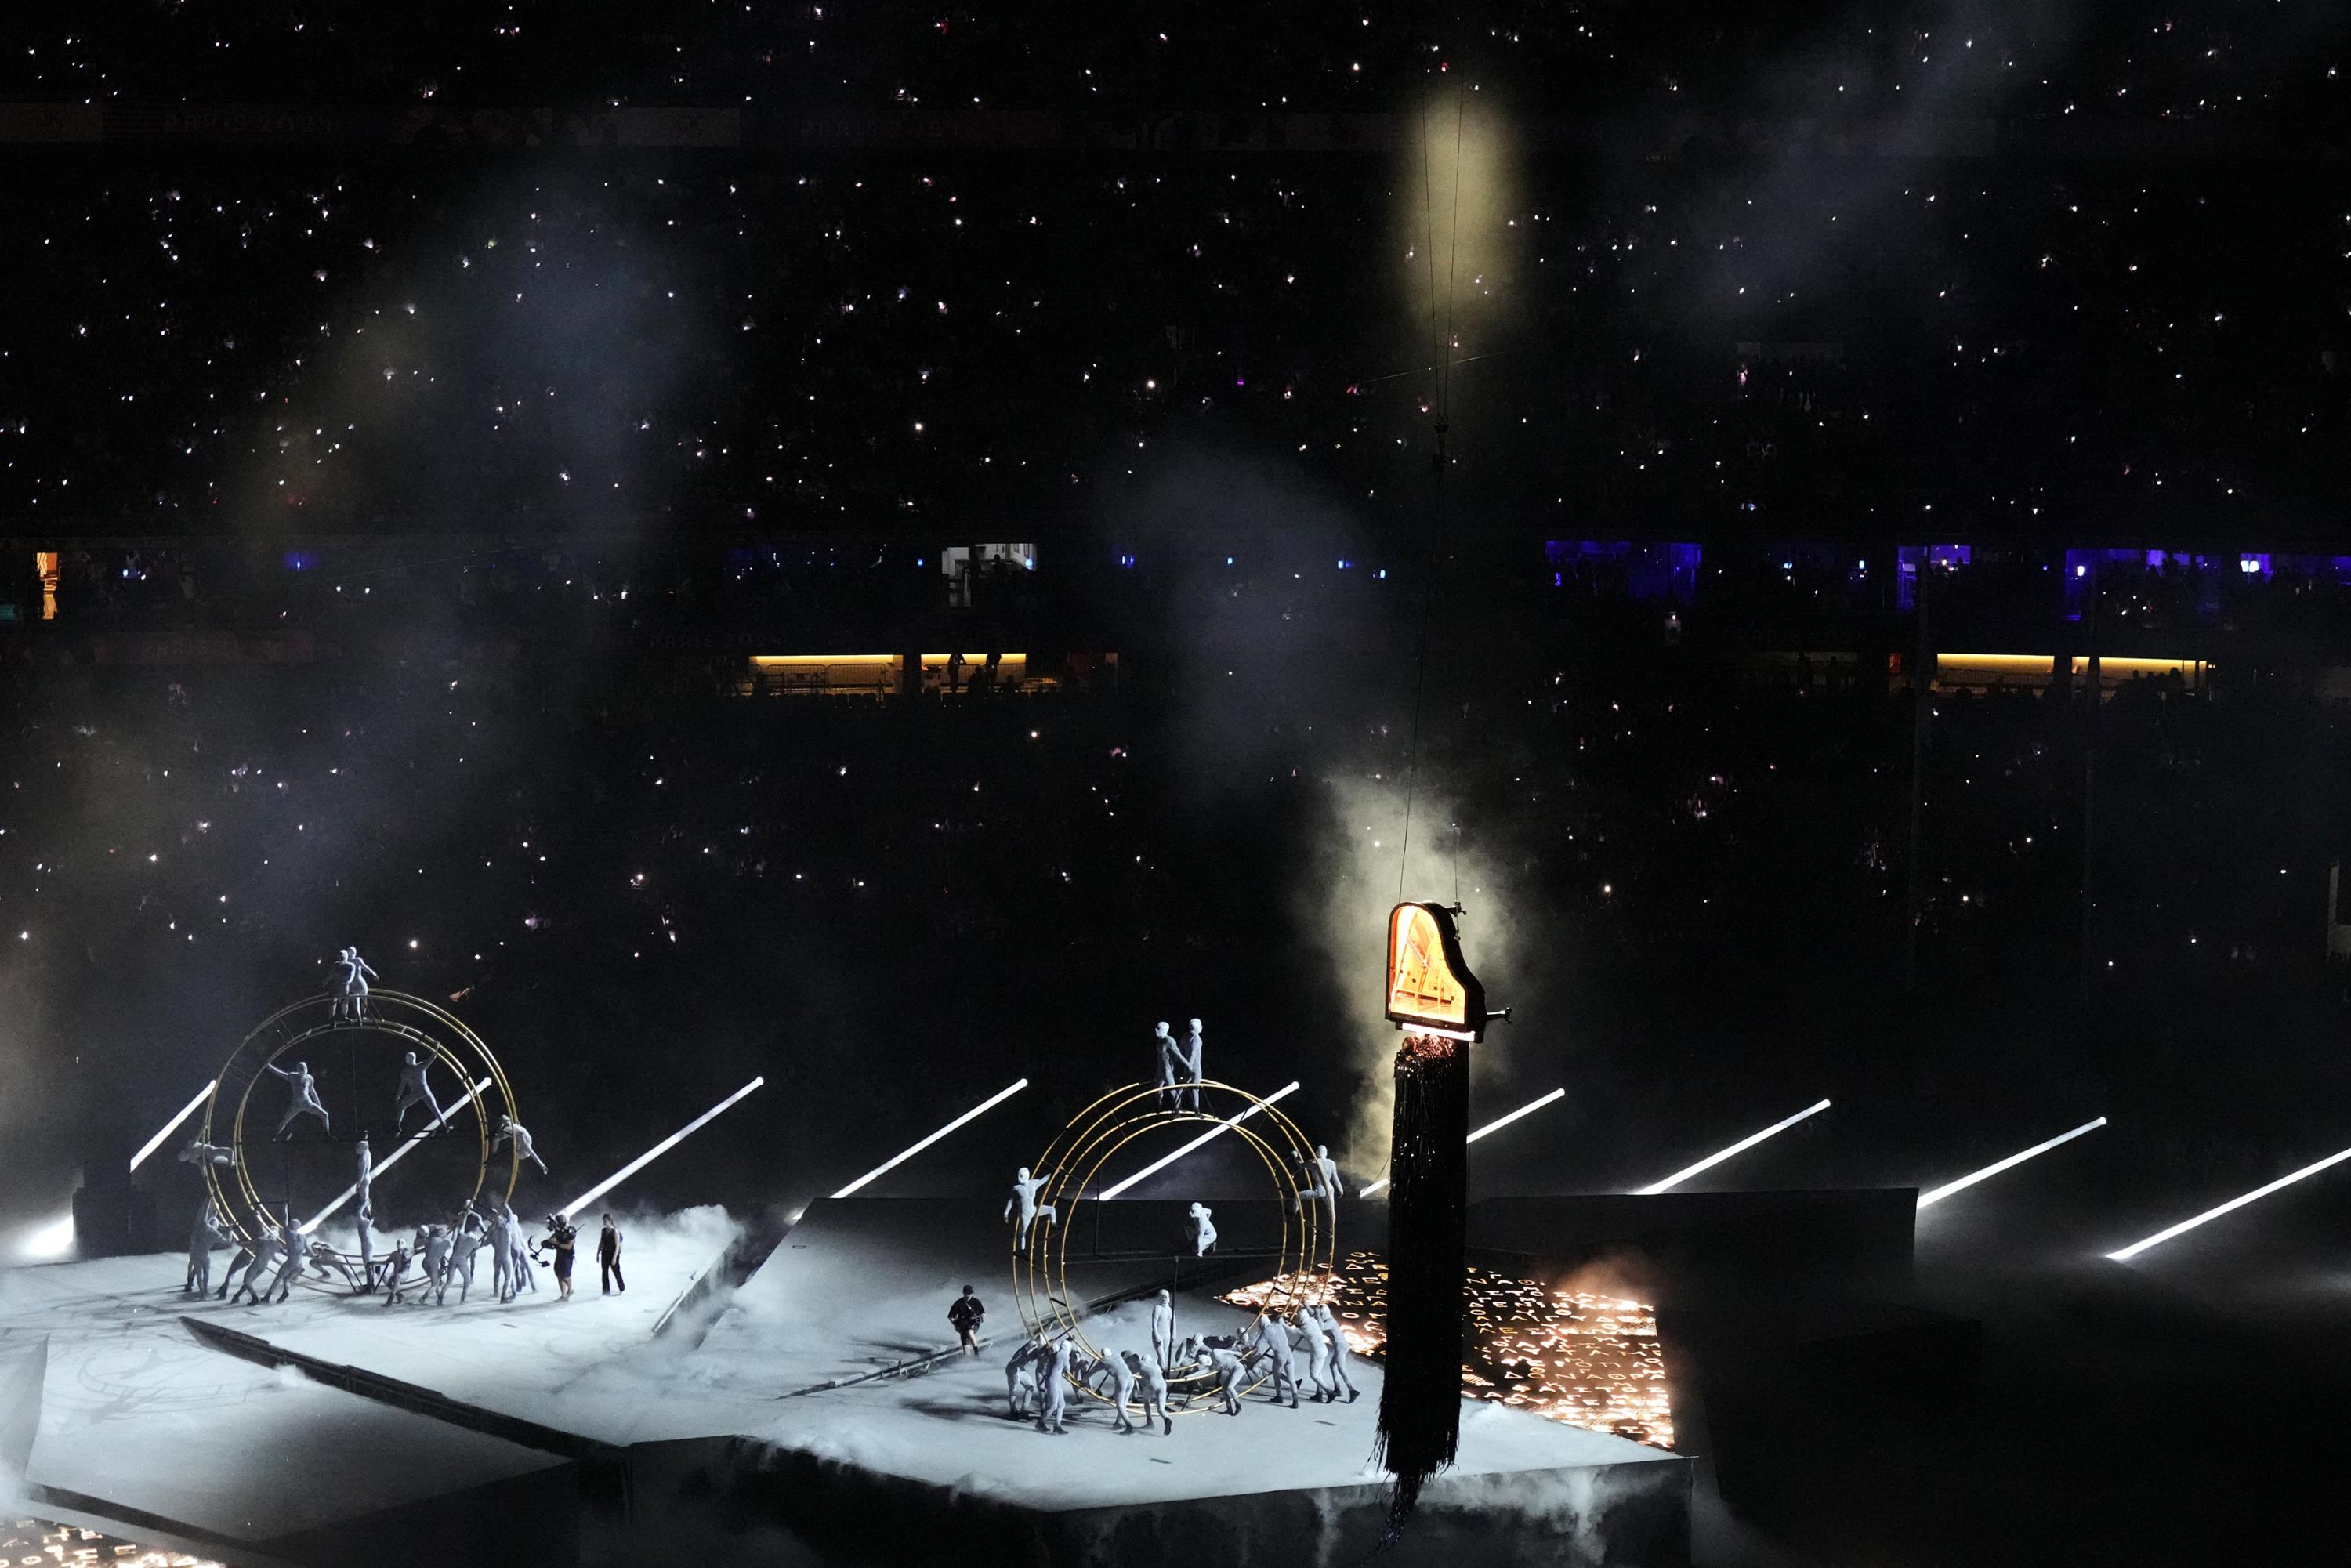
[(1443, 365)]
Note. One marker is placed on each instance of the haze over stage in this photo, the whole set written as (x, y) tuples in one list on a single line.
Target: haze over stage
[(585, 1368), (863, 1284), (698, 1414)]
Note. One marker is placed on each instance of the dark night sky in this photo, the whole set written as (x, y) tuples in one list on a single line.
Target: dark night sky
[(2031, 277)]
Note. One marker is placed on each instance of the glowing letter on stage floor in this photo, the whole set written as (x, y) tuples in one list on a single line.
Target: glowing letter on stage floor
[(2136, 1247), (998, 1098), (657, 1152), (1940, 1192), (186, 1111), (1743, 1144), (1216, 1131), (1529, 1107), (392, 1158)]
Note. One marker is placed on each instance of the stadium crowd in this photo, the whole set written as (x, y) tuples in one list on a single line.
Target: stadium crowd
[(467, 454), (604, 852)]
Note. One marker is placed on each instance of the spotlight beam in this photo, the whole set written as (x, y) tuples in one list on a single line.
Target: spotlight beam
[(171, 1126), (657, 1152), (392, 1158), (1215, 1132), (2161, 1237), (998, 1098), (1743, 1145), (1940, 1192), (1527, 1109)]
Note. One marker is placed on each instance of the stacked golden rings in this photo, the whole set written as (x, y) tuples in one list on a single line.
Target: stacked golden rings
[(1074, 1160), (436, 1034)]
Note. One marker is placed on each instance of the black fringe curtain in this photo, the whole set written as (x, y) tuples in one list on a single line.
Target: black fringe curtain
[(1428, 1200)]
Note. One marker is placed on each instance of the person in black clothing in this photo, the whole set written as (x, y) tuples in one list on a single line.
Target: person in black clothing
[(607, 1258), (965, 1316), (565, 1240)]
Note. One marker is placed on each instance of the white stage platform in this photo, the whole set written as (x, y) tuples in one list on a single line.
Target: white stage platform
[(700, 1433), (177, 1444)]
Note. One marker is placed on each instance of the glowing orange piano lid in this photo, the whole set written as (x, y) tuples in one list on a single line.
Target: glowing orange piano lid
[(1430, 987)]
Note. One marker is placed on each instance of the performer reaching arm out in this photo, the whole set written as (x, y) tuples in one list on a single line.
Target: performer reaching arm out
[(305, 1101), (206, 1235)]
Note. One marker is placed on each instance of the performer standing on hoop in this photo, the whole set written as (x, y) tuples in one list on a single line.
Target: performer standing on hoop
[(1187, 1060), (1170, 1064), (351, 986)]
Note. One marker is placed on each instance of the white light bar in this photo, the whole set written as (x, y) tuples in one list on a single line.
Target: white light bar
[(1531, 1106), (2136, 1247), (1743, 1144), (186, 1111), (657, 1152), (1215, 1132), (998, 1098), (1940, 1192), (392, 1158)]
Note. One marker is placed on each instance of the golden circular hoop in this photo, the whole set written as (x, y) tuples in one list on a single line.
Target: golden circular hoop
[(437, 1034), (1074, 1160)]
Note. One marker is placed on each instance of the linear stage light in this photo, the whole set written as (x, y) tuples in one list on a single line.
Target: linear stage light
[(657, 1152), (392, 1158), (1531, 1106), (1940, 1192), (2161, 1237), (1215, 1132), (186, 1111), (1743, 1144), (998, 1098)]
